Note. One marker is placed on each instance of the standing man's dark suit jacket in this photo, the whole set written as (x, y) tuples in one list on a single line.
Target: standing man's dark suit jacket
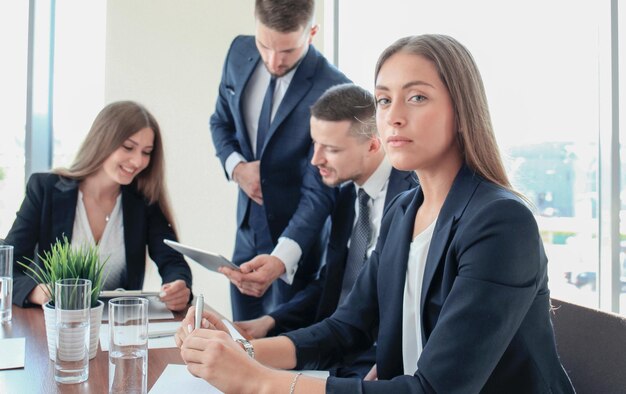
[(485, 303), (295, 199), (47, 214)]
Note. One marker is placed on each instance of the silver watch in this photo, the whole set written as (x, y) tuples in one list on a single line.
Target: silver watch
[(247, 346)]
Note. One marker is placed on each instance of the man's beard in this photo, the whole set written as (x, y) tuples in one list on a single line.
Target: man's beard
[(296, 64)]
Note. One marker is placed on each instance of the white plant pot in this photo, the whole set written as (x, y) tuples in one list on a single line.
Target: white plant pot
[(94, 328)]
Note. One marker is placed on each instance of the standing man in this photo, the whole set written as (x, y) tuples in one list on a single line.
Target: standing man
[(260, 130), (347, 153)]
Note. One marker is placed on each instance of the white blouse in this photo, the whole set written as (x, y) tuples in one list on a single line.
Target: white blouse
[(111, 244), (411, 319)]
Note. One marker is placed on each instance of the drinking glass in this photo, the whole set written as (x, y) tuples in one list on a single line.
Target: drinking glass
[(6, 282), (128, 345), (72, 305)]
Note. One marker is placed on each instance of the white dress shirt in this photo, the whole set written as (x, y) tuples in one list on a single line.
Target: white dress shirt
[(111, 244), (411, 318)]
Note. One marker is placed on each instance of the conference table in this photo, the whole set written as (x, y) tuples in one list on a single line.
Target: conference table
[(37, 376)]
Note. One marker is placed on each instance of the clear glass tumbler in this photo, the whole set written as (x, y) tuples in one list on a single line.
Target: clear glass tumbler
[(72, 305), (6, 282), (128, 345)]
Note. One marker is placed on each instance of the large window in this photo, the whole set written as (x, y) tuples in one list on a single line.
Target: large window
[(14, 49), (547, 71), (66, 79), (78, 74)]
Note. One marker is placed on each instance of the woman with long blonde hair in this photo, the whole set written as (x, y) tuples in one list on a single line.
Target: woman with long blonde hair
[(113, 195)]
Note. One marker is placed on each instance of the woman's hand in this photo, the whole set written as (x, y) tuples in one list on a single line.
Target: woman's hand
[(39, 295), (372, 374), (211, 354), (175, 295), (215, 357), (209, 321)]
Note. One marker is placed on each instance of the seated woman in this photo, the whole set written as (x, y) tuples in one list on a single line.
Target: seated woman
[(455, 293), (113, 195)]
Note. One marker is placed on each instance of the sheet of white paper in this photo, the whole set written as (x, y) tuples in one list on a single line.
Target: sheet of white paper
[(153, 343), (12, 355), (156, 310), (176, 379)]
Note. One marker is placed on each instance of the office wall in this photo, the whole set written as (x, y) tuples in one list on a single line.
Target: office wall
[(168, 55)]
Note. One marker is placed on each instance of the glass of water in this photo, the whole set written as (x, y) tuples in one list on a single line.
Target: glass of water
[(6, 282), (128, 345), (72, 299)]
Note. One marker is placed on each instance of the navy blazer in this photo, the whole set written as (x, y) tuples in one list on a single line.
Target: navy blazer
[(295, 199), (485, 303), (47, 213), (320, 298)]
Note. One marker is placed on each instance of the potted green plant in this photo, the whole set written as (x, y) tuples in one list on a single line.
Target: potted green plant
[(63, 261)]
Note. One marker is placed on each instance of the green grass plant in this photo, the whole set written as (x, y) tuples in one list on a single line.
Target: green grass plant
[(63, 261)]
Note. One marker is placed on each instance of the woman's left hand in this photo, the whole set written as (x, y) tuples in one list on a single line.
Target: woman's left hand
[(175, 295), (209, 321)]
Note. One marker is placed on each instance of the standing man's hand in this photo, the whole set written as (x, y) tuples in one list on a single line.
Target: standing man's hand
[(248, 177), (256, 275)]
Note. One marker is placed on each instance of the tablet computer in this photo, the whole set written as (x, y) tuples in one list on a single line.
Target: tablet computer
[(206, 259)]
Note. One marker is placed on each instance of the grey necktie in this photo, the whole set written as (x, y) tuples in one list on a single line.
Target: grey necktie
[(359, 242)]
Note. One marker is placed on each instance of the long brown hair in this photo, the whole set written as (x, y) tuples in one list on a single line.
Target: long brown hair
[(459, 73), (116, 123)]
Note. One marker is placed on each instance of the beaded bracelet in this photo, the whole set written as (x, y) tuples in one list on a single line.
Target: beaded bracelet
[(292, 388)]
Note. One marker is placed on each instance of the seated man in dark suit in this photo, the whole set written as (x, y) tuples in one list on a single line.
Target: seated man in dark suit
[(348, 154)]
